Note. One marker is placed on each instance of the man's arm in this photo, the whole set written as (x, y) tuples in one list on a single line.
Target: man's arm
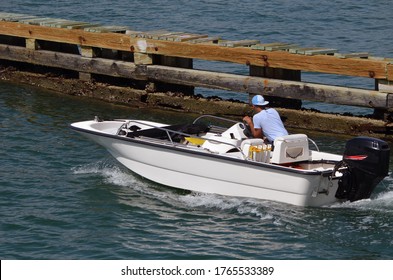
[(256, 132)]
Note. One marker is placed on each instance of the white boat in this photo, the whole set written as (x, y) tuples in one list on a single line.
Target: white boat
[(207, 158)]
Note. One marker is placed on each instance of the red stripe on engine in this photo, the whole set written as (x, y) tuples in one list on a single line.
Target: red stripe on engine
[(358, 157)]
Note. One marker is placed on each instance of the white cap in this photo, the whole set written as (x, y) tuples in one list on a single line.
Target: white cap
[(258, 100)]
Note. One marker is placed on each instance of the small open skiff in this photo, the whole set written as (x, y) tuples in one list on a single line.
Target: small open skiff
[(219, 159)]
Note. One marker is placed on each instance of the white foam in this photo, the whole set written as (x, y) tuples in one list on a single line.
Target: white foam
[(264, 210), (111, 173), (209, 201), (382, 202)]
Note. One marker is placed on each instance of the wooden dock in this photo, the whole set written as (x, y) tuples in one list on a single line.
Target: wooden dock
[(162, 60)]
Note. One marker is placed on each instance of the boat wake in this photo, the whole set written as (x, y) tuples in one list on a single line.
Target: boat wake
[(263, 210), (114, 174), (111, 173), (382, 201)]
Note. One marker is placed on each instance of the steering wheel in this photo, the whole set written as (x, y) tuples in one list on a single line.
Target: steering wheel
[(247, 130)]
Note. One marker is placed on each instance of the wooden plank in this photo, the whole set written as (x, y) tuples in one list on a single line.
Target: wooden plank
[(206, 40), (152, 33), (352, 55), (54, 22), (14, 17), (239, 43), (63, 23), (389, 71), (106, 29), (32, 44), (133, 33), (116, 29), (273, 87), (35, 21), (169, 36), (166, 35), (50, 21), (143, 58), (280, 47), (377, 58), (385, 86), (318, 63), (189, 36), (177, 37), (263, 47), (77, 25), (77, 63), (71, 36), (155, 35), (86, 51), (318, 51), (300, 50), (285, 60)]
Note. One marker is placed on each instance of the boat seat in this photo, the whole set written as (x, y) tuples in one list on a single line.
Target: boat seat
[(290, 148)]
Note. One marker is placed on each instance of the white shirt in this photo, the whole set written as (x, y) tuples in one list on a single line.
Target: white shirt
[(270, 122)]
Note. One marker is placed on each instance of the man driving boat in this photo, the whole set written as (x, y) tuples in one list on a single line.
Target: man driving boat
[(266, 122)]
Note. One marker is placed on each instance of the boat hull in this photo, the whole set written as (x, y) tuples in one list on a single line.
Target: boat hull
[(204, 172)]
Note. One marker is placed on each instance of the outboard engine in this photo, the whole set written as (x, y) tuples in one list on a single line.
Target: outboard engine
[(367, 160)]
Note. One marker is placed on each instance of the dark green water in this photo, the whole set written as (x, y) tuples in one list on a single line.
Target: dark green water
[(63, 197)]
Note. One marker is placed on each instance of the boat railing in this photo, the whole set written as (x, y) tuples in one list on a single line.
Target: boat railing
[(171, 132), (313, 142), (213, 117)]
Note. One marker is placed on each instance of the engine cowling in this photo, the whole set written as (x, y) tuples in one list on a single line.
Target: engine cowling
[(367, 160)]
